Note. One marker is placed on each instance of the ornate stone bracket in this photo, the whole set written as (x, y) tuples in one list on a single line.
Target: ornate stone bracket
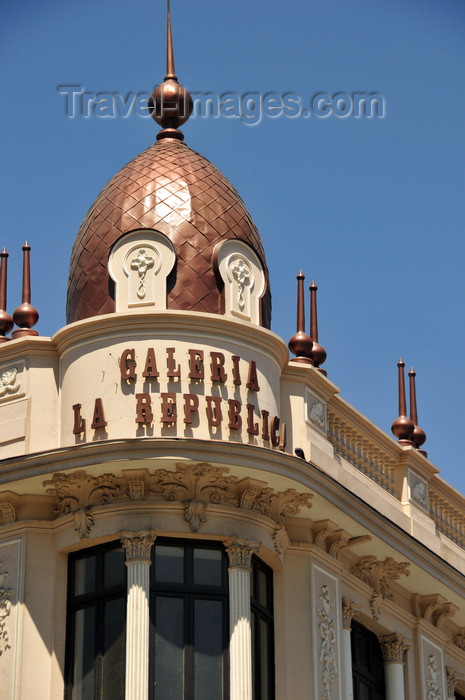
[(435, 609), (349, 611), (196, 486), (5, 609), (459, 639), (77, 492), (393, 647), (379, 575), (327, 632), (8, 512)]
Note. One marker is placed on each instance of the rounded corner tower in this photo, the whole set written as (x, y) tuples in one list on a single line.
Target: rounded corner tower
[(175, 198)]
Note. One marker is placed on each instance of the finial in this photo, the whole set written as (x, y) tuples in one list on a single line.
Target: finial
[(318, 353), (301, 343), (25, 316), (170, 104), (419, 435), (6, 322), (403, 427)]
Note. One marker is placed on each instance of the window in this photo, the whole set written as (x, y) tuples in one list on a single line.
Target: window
[(189, 615), (95, 663), (262, 631), (367, 664)]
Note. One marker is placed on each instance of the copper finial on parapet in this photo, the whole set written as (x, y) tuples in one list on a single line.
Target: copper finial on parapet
[(318, 353), (6, 322), (419, 435), (25, 316), (403, 427), (170, 104), (301, 343)]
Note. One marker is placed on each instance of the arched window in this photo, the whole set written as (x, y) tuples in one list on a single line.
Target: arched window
[(367, 664)]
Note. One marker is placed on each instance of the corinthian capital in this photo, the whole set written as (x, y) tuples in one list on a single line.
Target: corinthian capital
[(349, 610), (138, 544), (240, 551), (393, 647)]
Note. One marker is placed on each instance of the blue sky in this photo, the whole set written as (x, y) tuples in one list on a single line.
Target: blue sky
[(372, 209)]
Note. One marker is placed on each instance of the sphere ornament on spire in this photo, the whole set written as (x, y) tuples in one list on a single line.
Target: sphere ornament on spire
[(170, 104)]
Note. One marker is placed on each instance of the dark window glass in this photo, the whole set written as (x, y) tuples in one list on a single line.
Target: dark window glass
[(96, 626), (169, 564), (189, 622), (262, 631), (367, 664)]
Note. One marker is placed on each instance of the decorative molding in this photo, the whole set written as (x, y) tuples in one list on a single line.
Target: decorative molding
[(9, 383), (196, 486), (78, 492), (317, 414), (379, 575), (432, 683), (137, 545), (5, 609), (240, 551), (393, 647), (418, 489), (142, 264), (241, 272), (8, 512), (452, 678), (327, 631), (349, 611)]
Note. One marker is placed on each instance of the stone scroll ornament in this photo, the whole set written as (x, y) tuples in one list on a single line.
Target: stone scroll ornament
[(327, 631), (5, 609), (142, 264)]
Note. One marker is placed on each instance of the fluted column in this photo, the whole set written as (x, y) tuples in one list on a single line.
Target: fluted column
[(349, 610), (393, 647), (137, 546), (240, 636)]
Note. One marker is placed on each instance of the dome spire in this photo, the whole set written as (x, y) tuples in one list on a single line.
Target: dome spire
[(170, 104), (318, 353), (301, 344), (170, 71), (6, 322), (419, 435), (403, 427)]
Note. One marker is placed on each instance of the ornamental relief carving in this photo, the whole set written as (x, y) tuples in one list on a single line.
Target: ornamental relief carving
[(393, 647), (240, 551), (196, 486), (432, 679), (349, 611), (379, 575), (5, 609), (327, 632), (10, 383), (138, 545), (452, 678)]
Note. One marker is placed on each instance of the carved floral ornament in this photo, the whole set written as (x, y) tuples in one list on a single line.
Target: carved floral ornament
[(9, 382), (452, 678), (5, 609), (393, 647), (432, 679), (379, 575), (196, 486), (327, 631)]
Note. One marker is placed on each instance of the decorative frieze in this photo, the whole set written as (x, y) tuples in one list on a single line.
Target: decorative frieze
[(379, 575), (327, 632), (393, 647), (5, 609), (195, 486), (349, 611), (76, 493)]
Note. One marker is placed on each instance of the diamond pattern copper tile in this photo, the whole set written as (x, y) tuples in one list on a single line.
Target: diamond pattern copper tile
[(158, 185)]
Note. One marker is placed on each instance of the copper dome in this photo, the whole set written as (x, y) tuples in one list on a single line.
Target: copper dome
[(169, 183)]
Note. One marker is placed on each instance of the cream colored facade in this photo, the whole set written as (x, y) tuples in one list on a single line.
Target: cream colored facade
[(364, 528)]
